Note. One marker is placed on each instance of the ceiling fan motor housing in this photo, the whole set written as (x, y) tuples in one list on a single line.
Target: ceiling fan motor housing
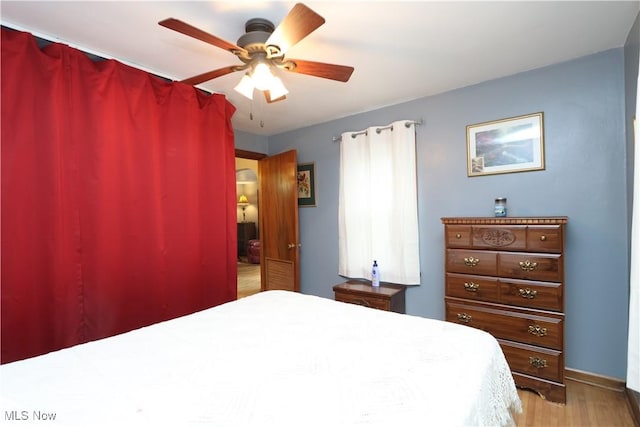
[(257, 33)]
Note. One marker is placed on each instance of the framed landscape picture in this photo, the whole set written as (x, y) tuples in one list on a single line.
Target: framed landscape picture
[(503, 146), (307, 184)]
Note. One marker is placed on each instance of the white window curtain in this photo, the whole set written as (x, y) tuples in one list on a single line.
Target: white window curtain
[(378, 204), (633, 352)]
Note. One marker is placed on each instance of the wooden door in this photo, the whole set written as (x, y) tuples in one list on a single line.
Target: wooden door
[(278, 207)]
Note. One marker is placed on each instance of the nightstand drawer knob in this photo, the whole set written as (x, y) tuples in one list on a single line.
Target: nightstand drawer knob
[(471, 261), (528, 265), (536, 362), (537, 330), (527, 293), (464, 317), (458, 236), (543, 238), (471, 287)]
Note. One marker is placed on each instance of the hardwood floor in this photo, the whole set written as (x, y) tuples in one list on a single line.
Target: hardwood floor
[(587, 405), (248, 279)]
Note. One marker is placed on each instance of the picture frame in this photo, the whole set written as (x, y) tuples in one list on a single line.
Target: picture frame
[(306, 178), (514, 144)]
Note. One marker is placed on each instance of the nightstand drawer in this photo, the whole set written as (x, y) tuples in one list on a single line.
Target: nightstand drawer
[(384, 297), (367, 301)]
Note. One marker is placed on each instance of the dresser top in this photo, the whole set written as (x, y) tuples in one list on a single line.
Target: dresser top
[(506, 220)]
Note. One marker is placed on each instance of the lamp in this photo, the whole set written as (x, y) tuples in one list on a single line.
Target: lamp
[(261, 78), (243, 202)]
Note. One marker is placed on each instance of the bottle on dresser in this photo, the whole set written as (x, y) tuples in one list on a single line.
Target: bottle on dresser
[(375, 275)]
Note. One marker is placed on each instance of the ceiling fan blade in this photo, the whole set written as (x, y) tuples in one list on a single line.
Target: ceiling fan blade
[(267, 96), (299, 23), (210, 75), (341, 73), (191, 31)]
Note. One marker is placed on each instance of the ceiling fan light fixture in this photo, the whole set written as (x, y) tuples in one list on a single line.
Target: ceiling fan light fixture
[(277, 89), (245, 87), (262, 76)]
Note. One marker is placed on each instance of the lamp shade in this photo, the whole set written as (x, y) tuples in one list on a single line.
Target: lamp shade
[(245, 87), (277, 89), (243, 201), (262, 77)]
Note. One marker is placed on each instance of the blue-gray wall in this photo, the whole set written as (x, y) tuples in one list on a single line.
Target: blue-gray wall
[(585, 179), (250, 142), (631, 54)]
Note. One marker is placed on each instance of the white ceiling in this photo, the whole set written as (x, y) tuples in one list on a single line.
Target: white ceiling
[(400, 50)]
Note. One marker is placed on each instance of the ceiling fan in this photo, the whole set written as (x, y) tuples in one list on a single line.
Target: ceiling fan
[(263, 48)]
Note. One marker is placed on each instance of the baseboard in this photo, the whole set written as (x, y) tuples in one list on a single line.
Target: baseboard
[(610, 383), (634, 407)]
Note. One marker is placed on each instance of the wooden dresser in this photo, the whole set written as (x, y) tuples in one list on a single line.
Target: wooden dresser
[(246, 232), (384, 297), (506, 276)]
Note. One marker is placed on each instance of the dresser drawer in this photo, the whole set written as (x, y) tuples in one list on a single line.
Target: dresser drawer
[(528, 293), (532, 360), (513, 238), (457, 236), (473, 287), (483, 263), (544, 267), (545, 238), (527, 326)]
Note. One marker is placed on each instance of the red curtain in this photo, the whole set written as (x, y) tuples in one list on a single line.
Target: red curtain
[(118, 198)]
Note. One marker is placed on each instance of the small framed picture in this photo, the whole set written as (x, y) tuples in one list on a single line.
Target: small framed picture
[(307, 185), (503, 146)]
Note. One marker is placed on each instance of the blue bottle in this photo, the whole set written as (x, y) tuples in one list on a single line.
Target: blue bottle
[(375, 275)]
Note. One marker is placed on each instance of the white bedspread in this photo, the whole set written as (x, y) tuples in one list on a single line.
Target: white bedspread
[(273, 359)]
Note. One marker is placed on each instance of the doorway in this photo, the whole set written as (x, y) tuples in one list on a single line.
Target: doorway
[(278, 234), (249, 281)]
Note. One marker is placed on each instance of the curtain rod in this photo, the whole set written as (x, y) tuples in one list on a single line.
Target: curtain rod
[(378, 130)]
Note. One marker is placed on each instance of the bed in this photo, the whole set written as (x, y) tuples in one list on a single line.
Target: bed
[(276, 358)]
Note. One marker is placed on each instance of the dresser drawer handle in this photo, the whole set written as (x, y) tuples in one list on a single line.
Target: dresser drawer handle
[(471, 261), (471, 287), (543, 238), (537, 362), (528, 293), (458, 236), (528, 265), (537, 330), (464, 317)]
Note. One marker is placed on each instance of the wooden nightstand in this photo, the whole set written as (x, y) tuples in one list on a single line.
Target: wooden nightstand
[(385, 297)]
